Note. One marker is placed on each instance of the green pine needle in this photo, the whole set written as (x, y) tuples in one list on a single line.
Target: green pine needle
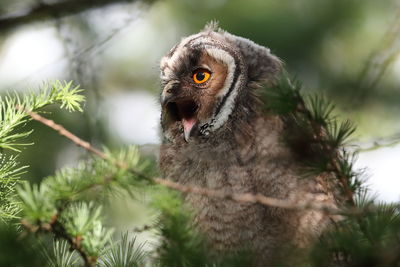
[(13, 118), (125, 253), (13, 107), (60, 255), (10, 171), (83, 220), (35, 204)]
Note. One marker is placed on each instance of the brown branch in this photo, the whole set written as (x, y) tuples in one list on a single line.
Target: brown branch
[(64, 132), (75, 243), (380, 60), (243, 198), (250, 198), (143, 228), (58, 9), (78, 141), (59, 231), (377, 143)]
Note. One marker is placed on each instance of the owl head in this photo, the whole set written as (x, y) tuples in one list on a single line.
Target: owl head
[(204, 79)]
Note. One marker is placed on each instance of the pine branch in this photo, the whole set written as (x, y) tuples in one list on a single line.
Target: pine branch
[(251, 198), (144, 228), (243, 198), (57, 204), (319, 136), (78, 225), (362, 238), (62, 131), (59, 231), (12, 119), (320, 129), (60, 255), (124, 254), (10, 171), (12, 116)]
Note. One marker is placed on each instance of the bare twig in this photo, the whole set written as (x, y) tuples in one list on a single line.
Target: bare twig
[(250, 198), (57, 9), (89, 51), (377, 143), (383, 56), (144, 228), (64, 132), (243, 198)]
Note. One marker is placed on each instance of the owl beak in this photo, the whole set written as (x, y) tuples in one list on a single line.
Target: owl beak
[(187, 114), (169, 92), (180, 108), (185, 111)]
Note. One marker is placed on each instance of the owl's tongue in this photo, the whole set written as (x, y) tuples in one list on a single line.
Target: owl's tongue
[(187, 111), (188, 124)]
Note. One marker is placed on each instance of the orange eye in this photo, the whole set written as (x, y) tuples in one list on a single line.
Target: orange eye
[(201, 76)]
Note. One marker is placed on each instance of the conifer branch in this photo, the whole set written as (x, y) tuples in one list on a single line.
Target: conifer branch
[(12, 120), (78, 141), (144, 228), (243, 198), (64, 132), (319, 134), (251, 198), (58, 229), (78, 225), (325, 137)]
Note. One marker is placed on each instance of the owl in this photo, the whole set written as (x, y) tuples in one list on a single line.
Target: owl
[(216, 134)]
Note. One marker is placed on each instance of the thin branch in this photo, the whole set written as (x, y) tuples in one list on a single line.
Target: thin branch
[(58, 9), (64, 132), (144, 228), (377, 143), (250, 198), (243, 198), (91, 50), (58, 229), (383, 56)]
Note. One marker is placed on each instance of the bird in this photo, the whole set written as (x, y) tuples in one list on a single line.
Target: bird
[(216, 135)]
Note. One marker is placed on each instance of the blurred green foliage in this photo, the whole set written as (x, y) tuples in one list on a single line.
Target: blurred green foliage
[(327, 44), (18, 251)]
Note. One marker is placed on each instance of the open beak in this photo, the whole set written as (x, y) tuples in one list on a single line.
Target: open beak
[(181, 109)]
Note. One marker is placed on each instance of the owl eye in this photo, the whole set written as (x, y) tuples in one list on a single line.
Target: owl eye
[(201, 76)]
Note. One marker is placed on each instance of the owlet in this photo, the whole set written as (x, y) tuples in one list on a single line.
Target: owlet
[(217, 135)]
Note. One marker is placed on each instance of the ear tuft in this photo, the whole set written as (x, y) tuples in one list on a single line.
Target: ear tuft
[(212, 26), (262, 65)]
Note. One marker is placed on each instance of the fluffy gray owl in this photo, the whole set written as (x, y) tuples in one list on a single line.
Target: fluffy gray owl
[(217, 135)]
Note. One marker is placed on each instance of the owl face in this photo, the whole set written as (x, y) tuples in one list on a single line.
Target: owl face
[(202, 78)]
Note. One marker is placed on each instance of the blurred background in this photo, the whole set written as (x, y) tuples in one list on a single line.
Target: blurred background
[(348, 50)]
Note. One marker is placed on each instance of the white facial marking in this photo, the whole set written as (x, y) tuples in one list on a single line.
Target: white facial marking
[(226, 110), (167, 64)]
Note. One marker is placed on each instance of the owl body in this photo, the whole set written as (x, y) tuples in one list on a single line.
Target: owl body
[(217, 135)]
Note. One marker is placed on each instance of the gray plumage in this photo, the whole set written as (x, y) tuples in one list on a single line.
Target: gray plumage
[(216, 135)]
